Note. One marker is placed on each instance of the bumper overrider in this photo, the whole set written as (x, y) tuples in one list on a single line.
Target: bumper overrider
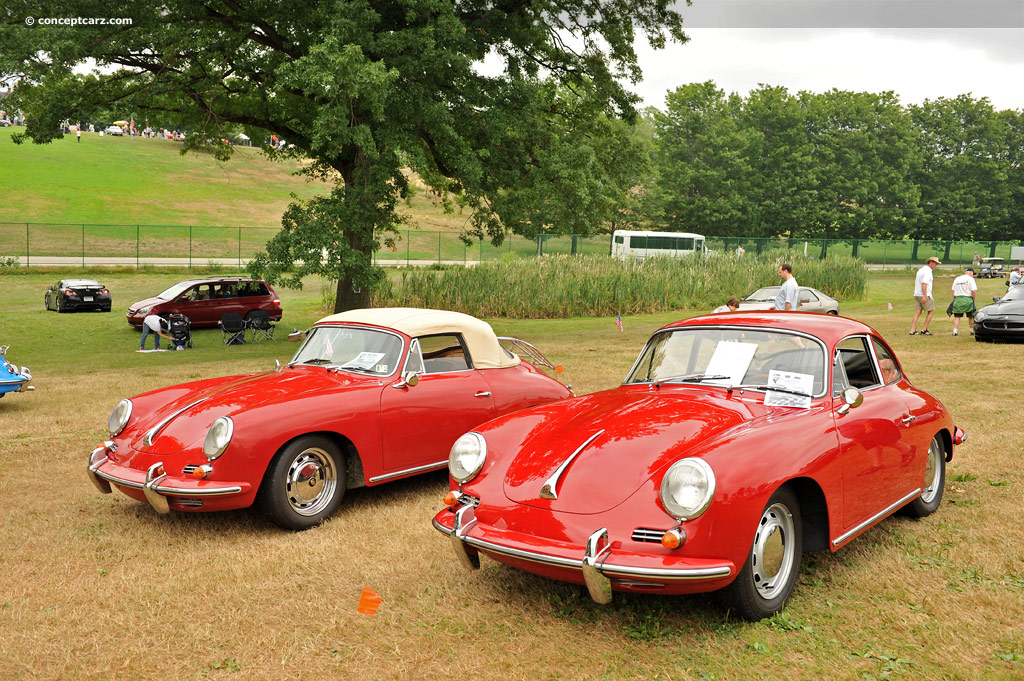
[(158, 488), (597, 561)]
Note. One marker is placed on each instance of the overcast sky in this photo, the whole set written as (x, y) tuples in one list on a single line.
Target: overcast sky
[(917, 48)]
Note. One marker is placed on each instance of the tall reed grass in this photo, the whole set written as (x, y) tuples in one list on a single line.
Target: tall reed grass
[(573, 286)]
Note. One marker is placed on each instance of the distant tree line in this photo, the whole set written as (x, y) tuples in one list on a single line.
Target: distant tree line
[(840, 165)]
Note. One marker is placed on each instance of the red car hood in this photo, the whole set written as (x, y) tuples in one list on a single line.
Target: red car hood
[(643, 433), (191, 413)]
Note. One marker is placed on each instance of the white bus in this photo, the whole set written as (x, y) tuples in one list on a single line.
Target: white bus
[(628, 244)]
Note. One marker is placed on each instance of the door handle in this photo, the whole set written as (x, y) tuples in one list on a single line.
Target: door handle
[(485, 393), (907, 420)]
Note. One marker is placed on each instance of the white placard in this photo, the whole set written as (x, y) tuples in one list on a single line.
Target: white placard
[(732, 359), (791, 381), (364, 360)]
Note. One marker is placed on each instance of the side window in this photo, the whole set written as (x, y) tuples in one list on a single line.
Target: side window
[(857, 364), (443, 353), (189, 296), (807, 297), (886, 363), (618, 239)]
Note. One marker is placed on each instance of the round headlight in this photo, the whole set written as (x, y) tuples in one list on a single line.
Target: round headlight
[(467, 456), (980, 315), (218, 437), (688, 488), (119, 417)]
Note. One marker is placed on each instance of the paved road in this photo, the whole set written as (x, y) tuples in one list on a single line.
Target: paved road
[(117, 261)]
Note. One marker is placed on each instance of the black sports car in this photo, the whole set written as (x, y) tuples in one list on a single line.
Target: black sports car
[(1003, 319), (68, 295)]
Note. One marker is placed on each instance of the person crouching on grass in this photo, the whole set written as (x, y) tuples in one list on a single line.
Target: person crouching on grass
[(154, 323), (965, 290)]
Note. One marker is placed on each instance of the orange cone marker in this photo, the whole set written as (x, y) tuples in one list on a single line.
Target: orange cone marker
[(369, 601)]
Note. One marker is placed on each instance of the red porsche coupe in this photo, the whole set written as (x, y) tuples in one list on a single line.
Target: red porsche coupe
[(733, 445), (370, 396)]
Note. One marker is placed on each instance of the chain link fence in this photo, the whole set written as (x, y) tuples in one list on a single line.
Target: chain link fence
[(183, 245)]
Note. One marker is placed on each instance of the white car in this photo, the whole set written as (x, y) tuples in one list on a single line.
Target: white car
[(811, 300), (114, 130)]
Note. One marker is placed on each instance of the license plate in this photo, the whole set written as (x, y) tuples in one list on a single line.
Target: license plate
[(87, 299)]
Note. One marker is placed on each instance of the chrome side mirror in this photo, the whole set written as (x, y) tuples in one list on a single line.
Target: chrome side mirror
[(995, 299), (852, 398), (409, 380)]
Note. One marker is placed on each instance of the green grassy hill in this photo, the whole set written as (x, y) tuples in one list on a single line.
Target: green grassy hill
[(123, 181)]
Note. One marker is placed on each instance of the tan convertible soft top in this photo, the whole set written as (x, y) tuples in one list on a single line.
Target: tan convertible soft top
[(481, 342)]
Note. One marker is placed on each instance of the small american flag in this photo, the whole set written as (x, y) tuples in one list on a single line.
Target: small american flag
[(618, 322), (328, 347), (890, 306)]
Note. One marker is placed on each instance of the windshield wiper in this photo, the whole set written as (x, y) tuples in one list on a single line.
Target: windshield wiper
[(689, 378), (363, 370), (774, 388), (316, 360)]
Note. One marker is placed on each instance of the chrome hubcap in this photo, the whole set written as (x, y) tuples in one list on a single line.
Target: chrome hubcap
[(772, 557), (932, 473), (312, 481)]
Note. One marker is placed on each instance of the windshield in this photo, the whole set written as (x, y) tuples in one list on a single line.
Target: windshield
[(174, 291), (353, 349), (1016, 292), (762, 295), (729, 357)]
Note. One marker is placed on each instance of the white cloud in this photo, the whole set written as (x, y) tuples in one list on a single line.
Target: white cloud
[(916, 64)]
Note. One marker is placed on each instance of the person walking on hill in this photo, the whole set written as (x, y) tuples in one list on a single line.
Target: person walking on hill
[(789, 292), (965, 291), (924, 299), (78, 133)]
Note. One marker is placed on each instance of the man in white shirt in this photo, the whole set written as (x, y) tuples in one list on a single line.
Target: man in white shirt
[(965, 291), (924, 299), (789, 292), (1015, 276)]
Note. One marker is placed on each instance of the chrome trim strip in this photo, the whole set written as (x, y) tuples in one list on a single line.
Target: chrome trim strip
[(148, 440), (407, 471), (881, 514), (549, 489)]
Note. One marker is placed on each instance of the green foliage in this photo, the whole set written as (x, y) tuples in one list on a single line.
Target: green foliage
[(365, 90), (569, 286)]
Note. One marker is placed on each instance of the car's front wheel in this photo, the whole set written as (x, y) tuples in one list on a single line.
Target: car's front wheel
[(304, 484), (773, 562), (934, 481)]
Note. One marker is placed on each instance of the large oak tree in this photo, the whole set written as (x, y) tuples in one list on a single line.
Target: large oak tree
[(365, 89)]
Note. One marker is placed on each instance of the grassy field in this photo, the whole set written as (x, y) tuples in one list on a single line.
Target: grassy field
[(100, 587)]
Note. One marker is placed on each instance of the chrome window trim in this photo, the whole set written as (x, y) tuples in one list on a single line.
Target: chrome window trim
[(465, 351), (407, 471), (826, 384), (339, 325), (878, 365), (875, 518), (871, 353)]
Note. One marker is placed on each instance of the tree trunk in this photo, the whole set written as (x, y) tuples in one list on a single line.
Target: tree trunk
[(913, 254), (349, 297), (949, 245), (856, 247)]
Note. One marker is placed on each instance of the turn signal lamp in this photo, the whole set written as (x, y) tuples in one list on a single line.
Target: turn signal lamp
[(673, 539), (451, 499)]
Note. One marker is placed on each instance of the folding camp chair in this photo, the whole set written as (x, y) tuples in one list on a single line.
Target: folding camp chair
[(232, 328), (258, 322)]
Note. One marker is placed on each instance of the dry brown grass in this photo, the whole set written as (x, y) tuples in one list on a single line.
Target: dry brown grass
[(100, 587)]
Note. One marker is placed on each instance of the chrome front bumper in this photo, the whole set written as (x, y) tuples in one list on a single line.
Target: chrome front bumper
[(156, 486), (598, 564)]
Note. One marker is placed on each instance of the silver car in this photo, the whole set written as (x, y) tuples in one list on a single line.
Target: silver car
[(811, 300)]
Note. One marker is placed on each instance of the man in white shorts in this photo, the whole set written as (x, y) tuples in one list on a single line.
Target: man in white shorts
[(924, 298)]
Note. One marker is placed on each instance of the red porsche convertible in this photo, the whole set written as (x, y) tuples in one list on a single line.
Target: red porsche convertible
[(370, 396), (734, 444)]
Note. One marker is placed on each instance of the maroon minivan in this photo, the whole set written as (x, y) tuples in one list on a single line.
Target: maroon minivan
[(204, 301)]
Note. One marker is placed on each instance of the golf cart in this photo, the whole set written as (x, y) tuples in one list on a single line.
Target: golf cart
[(991, 268)]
